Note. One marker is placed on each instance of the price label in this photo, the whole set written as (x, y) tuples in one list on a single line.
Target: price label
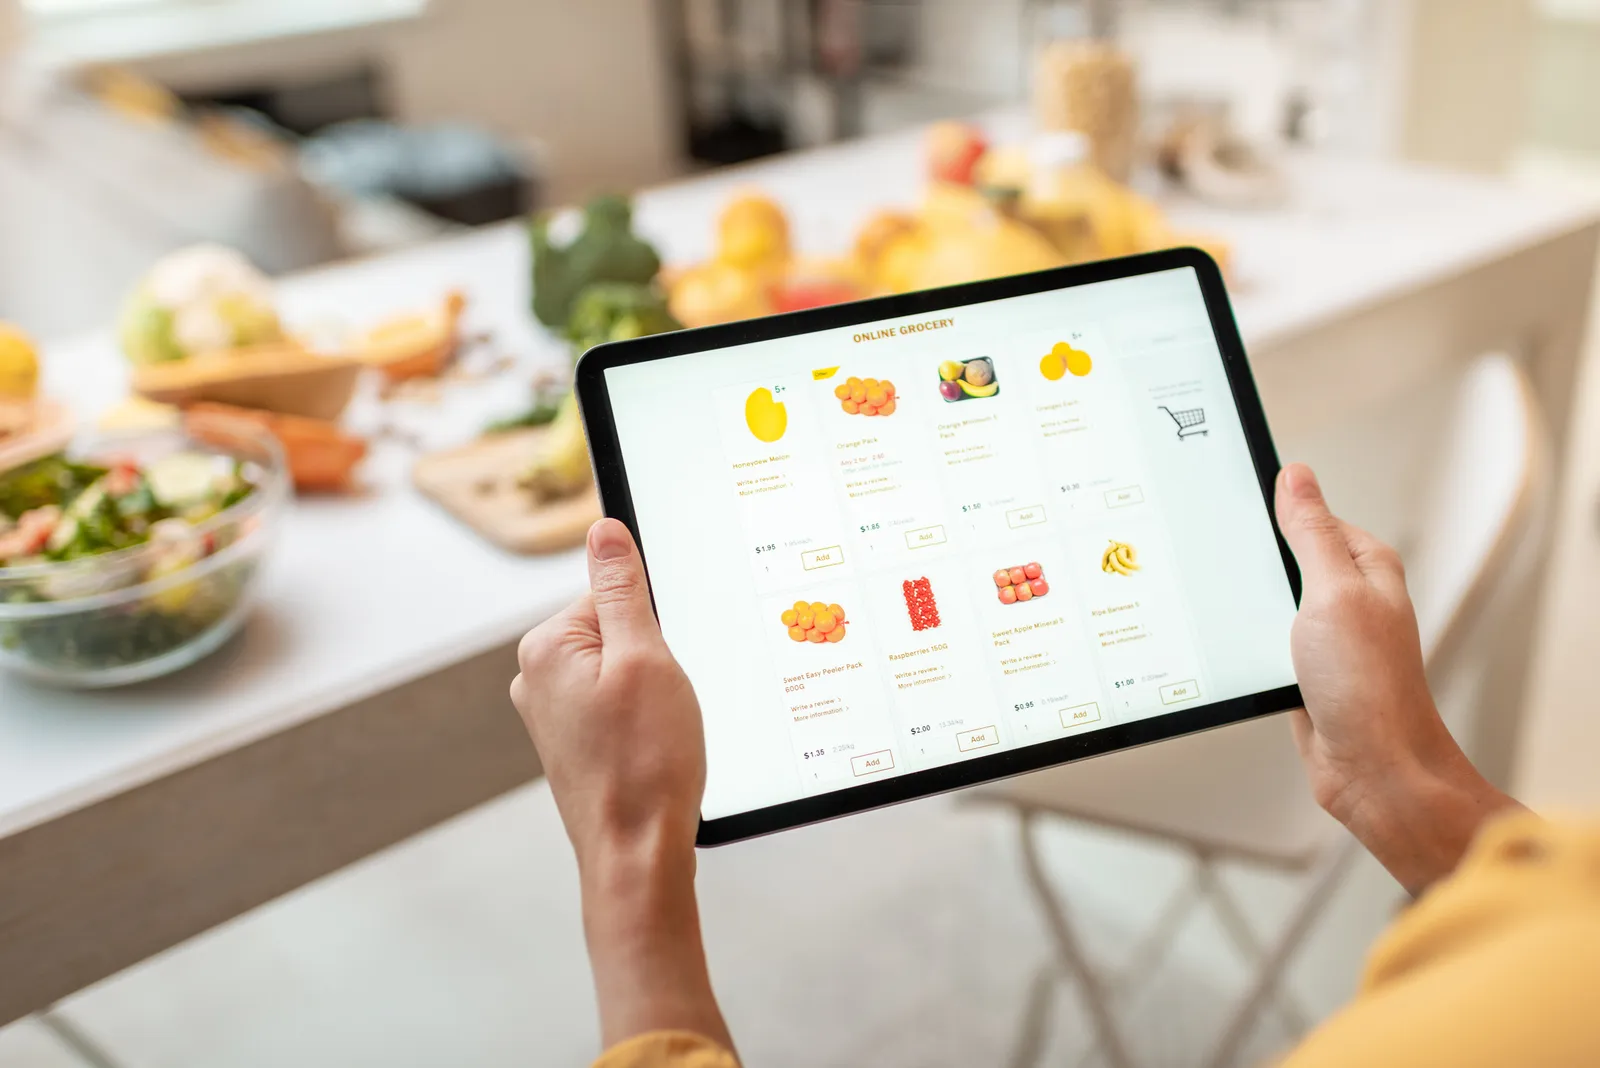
[(1122, 683), (971, 507), (811, 754), (924, 729), (1071, 487), (767, 548), (869, 526), (1022, 706)]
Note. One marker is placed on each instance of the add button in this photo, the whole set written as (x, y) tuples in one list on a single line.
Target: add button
[(872, 763), (812, 559), (1175, 693), (1121, 498), (921, 539), (967, 741), (1025, 517), (1078, 715)]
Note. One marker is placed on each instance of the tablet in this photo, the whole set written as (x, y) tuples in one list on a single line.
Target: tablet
[(914, 543)]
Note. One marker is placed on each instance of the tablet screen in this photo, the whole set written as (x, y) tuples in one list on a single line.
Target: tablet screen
[(903, 544)]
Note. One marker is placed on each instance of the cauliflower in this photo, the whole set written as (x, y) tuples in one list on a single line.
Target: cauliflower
[(198, 299)]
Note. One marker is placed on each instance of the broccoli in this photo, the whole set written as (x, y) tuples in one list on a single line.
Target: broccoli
[(606, 251), (616, 311)]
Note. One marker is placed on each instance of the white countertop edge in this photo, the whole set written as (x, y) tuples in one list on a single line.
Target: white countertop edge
[(239, 735)]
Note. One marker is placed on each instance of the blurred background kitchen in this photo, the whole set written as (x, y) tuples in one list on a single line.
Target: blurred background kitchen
[(262, 799)]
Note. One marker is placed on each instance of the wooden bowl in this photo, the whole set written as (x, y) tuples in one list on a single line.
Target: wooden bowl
[(285, 378)]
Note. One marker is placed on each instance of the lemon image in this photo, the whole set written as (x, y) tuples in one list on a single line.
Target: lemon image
[(1064, 359), (19, 365), (766, 418)]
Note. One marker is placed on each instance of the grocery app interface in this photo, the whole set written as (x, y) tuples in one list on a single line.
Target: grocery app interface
[(899, 545)]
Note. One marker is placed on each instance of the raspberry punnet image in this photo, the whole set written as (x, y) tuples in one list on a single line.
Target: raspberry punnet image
[(920, 605)]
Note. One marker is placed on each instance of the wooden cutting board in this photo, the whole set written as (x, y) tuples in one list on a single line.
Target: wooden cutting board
[(477, 484)]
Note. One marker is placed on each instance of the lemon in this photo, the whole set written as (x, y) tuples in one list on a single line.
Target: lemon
[(19, 365)]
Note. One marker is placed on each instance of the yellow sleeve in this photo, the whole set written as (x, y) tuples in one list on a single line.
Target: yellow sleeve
[(1496, 966), (667, 1049)]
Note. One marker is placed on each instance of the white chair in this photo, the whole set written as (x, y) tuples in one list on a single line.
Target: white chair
[(1239, 793)]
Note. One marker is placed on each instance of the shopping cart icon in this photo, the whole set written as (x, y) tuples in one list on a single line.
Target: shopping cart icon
[(1189, 421)]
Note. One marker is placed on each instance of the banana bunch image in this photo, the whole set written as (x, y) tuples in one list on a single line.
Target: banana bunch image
[(1120, 558)]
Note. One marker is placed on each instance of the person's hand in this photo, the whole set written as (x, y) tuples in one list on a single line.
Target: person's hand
[(612, 714), (1378, 755), (618, 729)]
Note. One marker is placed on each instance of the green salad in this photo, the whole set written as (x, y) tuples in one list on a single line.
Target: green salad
[(145, 525)]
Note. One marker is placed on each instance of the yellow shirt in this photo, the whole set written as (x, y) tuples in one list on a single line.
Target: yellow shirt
[(1497, 967)]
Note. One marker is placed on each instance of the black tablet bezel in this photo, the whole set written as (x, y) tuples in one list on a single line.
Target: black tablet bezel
[(611, 477)]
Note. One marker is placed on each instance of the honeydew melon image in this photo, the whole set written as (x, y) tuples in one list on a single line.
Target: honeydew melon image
[(767, 418), (1063, 359)]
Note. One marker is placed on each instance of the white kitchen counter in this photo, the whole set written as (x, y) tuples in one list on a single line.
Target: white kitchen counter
[(368, 598)]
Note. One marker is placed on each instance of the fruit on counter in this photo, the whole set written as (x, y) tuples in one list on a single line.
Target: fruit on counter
[(561, 468), (19, 382), (965, 238), (1005, 172), (281, 376), (1021, 583), (605, 250), (754, 271), (881, 232), (19, 365), (958, 235), (716, 292), (920, 605), (816, 282), (200, 299), (767, 418), (321, 457), (866, 396), (797, 295), (418, 345), (1063, 359), (617, 311), (753, 233), (1082, 212), (1120, 558), (953, 150), (814, 622), (969, 380)]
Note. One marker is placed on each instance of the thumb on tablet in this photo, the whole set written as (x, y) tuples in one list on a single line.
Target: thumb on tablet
[(617, 581), (1313, 532)]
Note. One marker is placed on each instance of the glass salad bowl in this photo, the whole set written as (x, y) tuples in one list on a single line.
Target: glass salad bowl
[(130, 556)]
